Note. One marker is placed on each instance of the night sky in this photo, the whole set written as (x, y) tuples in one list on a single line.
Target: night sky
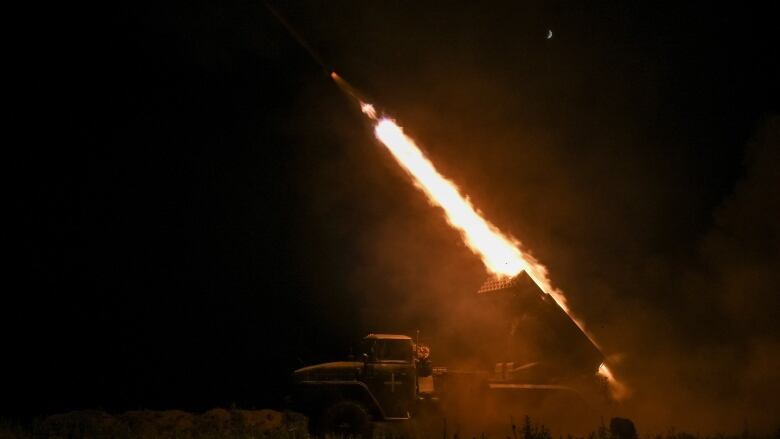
[(201, 210)]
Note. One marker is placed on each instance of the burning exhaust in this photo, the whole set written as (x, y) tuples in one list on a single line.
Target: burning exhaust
[(498, 253), (501, 254)]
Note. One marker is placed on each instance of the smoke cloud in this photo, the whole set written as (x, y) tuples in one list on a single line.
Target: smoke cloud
[(663, 235), (205, 211)]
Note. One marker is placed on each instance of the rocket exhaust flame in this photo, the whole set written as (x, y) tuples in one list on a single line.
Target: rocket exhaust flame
[(498, 253), (619, 390), (501, 254)]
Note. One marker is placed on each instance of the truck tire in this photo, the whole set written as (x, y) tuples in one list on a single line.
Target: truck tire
[(345, 419)]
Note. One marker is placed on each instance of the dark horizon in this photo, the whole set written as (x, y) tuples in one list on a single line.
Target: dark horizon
[(203, 211)]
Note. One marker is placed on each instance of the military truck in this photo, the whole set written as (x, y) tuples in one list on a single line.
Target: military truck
[(532, 354), (392, 378)]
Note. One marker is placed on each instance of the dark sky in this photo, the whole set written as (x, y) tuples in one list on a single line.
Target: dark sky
[(202, 211)]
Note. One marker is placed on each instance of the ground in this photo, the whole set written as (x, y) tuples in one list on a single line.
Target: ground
[(215, 423)]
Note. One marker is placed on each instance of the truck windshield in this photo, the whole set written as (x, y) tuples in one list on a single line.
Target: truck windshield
[(389, 350)]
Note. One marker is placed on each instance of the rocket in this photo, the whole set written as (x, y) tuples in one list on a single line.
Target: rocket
[(345, 87), (299, 39)]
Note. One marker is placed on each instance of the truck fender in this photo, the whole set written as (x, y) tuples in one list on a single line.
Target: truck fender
[(314, 396)]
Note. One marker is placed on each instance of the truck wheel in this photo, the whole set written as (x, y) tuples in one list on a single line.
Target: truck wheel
[(344, 419)]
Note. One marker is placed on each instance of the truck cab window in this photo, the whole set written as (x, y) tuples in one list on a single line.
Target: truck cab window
[(393, 350)]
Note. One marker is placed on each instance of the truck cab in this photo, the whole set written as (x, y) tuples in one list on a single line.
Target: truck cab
[(390, 372), (345, 396)]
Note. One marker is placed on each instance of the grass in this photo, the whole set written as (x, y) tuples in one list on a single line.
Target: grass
[(173, 424), (263, 424)]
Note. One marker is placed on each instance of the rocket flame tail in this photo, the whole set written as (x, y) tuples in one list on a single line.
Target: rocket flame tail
[(501, 254), (618, 390)]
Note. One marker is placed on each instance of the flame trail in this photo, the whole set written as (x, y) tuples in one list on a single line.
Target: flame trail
[(618, 389), (501, 254), (498, 253)]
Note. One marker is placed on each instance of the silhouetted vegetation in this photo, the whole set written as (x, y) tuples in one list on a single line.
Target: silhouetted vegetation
[(213, 424), (268, 424)]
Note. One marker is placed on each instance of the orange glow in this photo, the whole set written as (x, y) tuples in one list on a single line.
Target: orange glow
[(500, 254), (619, 390), (368, 110)]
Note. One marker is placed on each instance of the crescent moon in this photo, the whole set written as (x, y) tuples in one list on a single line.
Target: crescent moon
[(549, 34)]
